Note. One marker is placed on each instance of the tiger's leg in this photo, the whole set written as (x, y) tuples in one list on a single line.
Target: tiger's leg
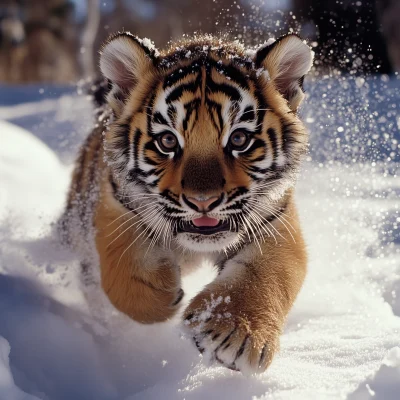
[(238, 318), (144, 284)]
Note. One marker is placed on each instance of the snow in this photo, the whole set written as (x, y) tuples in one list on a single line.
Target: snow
[(21, 153), (385, 384), (7, 386), (342, 339)]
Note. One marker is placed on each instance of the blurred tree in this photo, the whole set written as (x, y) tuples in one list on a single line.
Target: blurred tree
[(89, 34), (38, 41), (42, 40), (12, 37)]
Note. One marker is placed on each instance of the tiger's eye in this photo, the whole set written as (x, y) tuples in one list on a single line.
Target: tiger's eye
[(238, 139), (169, 141)]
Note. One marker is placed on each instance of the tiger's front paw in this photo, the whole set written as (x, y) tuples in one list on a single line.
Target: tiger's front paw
[(225, 332)]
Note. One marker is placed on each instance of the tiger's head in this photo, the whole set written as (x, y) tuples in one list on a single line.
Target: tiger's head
[(205, 139)]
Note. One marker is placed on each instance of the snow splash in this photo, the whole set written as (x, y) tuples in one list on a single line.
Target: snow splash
[(344, 322)]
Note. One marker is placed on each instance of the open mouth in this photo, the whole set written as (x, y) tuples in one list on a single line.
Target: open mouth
[(204, 226)]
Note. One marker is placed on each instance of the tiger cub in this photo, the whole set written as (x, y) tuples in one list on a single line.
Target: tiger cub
[(196, 160)]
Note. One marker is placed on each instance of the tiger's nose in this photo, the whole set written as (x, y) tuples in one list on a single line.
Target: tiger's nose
[(201, 203)]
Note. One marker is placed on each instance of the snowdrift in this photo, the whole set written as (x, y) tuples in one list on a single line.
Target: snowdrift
[(342, 338)]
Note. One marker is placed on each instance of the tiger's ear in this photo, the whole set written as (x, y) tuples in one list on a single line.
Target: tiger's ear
[(287, 60), (124, 60)]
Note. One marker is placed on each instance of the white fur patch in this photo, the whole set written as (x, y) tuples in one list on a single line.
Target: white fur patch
[(288, 60), (117, 61), (162, 107), (294, 59), (247, 101)]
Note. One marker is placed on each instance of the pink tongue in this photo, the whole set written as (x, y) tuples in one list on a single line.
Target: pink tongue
[(205, 221)]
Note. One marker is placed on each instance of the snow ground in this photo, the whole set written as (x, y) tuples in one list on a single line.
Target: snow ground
[(342, 338)]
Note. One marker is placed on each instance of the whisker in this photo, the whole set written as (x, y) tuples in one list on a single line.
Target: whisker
[(261, 225), (153, 212), (270, 208), (147, 220), (149, 208), (268, 222), (248, 235), (140, 198), (154, 230), (116, 219), (254, 235), (282, 217), (254, 215)]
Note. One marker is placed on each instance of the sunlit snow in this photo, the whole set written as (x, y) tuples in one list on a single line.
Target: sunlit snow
[(342, 337)]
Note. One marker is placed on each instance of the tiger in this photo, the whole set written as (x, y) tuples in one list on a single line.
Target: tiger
[(195, 159)]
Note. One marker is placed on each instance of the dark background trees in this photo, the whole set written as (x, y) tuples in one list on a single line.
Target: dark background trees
[(38, 41), (58, 40)]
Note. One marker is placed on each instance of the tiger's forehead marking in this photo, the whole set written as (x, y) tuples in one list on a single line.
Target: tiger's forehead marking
[(205, 89)]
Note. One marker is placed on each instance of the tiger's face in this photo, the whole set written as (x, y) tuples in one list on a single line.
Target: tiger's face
[(205, 140)]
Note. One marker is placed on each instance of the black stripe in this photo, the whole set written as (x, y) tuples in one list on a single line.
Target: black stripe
[(149, 113), (236, 206), (274, 143), (238, 192), (230, 71), (158, 118), (214, 122), (179, 74), (218, 108), (166, 194), (255, 178), (253, 168), (172, 115), (263, 52), (190, 107), (136, 175), (224, 341), (258, 143), (288, 138), (136, 139), (152, 147), (169, 210), (261, 108), (159, 172), (260, 158), (248, 114), (176, 94), (242, 347), (301, 83), (224, 88), (149, 161)]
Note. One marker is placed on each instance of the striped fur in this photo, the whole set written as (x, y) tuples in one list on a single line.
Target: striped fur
[(132, 189)]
